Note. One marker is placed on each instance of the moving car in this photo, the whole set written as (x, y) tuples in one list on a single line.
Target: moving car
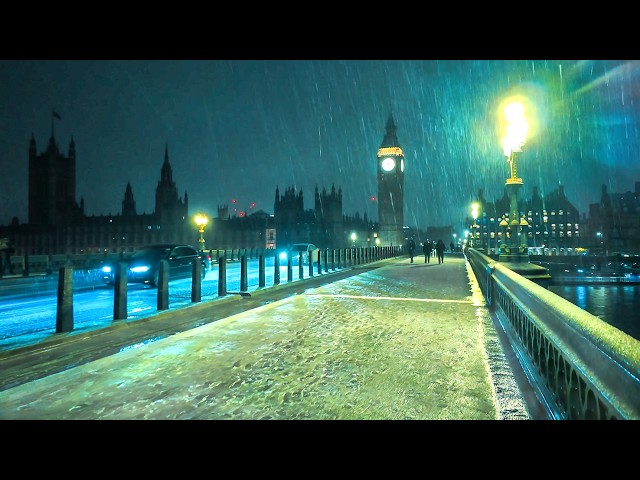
[(309, 250), (143, 266)]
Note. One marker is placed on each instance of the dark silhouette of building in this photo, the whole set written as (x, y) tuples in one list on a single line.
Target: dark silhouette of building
[(325, 225), (52, 185), (614, 222), (390, 167), (58, 224)]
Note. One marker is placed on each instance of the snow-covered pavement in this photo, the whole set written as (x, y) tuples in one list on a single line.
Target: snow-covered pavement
[(402, 341)]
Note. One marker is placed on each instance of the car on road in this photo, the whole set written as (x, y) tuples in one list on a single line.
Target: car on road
[(143, 266), (308, 250)]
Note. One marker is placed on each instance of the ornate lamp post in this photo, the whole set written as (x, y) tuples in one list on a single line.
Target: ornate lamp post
[(474, 227), (514, 249), (503, 227), (201, 221)]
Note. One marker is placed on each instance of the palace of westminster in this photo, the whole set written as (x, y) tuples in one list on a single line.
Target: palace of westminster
[(58, 224)]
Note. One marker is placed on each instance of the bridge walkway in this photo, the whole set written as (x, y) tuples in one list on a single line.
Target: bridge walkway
[(387, 340)]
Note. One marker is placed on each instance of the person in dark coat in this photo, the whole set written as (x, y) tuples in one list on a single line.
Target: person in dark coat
[(440, 248), (411, 248), (426, 249)]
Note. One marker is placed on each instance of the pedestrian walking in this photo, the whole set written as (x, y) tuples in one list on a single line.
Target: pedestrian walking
[(451, 245), (411, 248), (426, 249), (440, 248)]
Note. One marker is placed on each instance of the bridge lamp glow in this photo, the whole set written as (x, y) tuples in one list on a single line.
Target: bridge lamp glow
[(201, 221)]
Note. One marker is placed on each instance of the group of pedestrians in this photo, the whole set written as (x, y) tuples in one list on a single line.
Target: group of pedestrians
[(427, 249)]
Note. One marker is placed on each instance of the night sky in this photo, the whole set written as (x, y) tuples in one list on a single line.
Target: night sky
[(237, 129)]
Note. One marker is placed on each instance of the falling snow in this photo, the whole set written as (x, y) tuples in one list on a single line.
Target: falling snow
[(239, 129)]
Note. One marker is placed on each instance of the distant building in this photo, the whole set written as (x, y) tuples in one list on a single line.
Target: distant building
[(325, 225), (553, 222), (58, 224), (614, 222)]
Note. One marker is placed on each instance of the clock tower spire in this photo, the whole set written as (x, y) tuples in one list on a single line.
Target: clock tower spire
[(390, 166)]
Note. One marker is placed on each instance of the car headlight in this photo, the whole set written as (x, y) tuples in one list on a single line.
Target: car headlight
[(106, 269), (141, 269)]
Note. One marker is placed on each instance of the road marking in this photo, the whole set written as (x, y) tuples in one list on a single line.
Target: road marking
[(409, 299)]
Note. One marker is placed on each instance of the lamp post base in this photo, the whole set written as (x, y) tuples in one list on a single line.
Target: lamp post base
[(520, 264)]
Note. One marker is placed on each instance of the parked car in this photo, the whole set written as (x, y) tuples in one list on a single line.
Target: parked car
[(309, 250), (144, 264)]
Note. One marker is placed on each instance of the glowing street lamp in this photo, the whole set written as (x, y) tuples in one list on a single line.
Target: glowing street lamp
[(515, 137), (474, 228), (354, 237), (201, 221)]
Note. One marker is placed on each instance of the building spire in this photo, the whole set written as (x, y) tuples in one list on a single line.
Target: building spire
[(390, 137)]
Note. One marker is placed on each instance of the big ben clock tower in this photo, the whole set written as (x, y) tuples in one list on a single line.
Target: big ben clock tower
[(390, 188)]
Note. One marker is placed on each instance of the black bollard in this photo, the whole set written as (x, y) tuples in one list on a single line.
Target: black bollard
[(120, 292), (261, 275), (276, 269), (163, 285), (64, 314), (196, 281), (300, 266), (222, 276), (244, 281)]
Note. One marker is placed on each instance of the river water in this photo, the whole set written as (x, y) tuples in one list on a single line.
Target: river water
[(618, 305)]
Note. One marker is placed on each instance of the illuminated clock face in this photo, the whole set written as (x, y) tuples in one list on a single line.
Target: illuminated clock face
[(388, 164)]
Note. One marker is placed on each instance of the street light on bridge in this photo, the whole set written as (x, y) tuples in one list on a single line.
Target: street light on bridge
[(515, 137), (201, 221), (474, 228)]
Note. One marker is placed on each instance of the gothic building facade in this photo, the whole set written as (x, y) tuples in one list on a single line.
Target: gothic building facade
[(324, 225), (58, 224), (390, 167), (552, 222)]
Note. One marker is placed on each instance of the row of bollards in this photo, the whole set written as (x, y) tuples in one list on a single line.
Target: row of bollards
[(333, 259)]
